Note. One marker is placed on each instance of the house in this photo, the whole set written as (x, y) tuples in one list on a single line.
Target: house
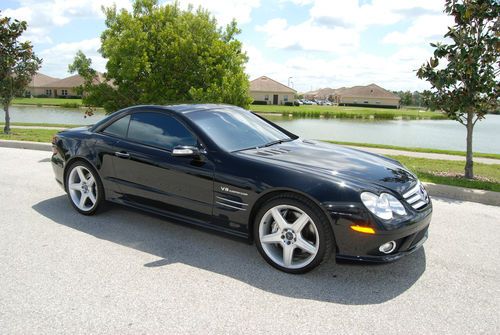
[(369, 95), (268, 91), (42, 84)]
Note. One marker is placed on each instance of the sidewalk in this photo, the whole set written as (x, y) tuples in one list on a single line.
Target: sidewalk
[(38, 127)]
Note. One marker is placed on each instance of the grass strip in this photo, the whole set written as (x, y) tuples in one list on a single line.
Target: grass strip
[(33, 135), (487, 176), (348, 112), (413, 149)]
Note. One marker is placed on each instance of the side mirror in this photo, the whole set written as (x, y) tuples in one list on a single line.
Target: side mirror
[(186, 151)]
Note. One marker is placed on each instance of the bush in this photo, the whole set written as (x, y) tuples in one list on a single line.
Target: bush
[(259, 102), (70, 105), (41, 96), (289, 103), (69, 97)]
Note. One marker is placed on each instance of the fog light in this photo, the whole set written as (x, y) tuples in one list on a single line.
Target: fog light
[(388, 247)]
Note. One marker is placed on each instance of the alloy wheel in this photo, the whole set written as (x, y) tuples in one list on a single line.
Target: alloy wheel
[(289, 236), (82, 188)]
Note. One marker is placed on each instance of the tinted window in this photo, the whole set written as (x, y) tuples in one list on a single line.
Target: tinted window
[(159, 130), (235, 128), (119, 127)]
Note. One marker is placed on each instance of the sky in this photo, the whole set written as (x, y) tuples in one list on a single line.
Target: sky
[(308, 44)]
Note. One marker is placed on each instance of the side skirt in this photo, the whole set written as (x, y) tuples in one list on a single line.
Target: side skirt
[(179, 219)]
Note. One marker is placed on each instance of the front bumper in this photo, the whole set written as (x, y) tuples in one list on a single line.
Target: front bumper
[(389, 257), (409, 237)]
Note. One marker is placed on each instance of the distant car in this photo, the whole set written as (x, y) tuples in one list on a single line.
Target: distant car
[(327, 103), (229, 170), (298, 102)]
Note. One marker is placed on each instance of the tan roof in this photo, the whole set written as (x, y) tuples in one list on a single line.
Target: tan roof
[(74, 81), (368, 91), (266, 84), (41, 80), (322, 93)]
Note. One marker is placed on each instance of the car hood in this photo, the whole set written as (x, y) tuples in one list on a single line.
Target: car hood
[(337, 161)]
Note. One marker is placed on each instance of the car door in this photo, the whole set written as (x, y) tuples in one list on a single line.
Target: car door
[(149, 175)]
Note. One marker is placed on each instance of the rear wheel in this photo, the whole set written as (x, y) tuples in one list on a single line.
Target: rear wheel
[(292, 234), (84, 188)]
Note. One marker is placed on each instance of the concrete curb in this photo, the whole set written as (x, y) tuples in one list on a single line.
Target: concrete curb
[(435, 190), (26, 145), (463, 194)]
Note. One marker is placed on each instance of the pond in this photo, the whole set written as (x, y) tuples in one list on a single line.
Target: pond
[(436, 134)]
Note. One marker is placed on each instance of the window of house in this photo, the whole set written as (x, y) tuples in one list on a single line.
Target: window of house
[(64, 92), (377, 102), (160, 130), (365, 101), (118, 128), (266, 97), (48, 92), (285, 98)]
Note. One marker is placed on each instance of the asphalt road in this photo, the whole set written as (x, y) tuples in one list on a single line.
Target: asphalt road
[(127, 272)]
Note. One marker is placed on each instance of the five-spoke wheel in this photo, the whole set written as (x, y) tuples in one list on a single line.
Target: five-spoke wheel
[(84, 188), (292, 235)]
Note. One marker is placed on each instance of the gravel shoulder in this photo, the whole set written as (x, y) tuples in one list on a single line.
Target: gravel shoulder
[(125, 272)]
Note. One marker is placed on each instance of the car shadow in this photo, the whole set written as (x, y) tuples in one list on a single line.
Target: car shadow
[(344, 283)]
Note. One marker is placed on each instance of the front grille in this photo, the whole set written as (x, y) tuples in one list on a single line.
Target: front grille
[(417, 196)]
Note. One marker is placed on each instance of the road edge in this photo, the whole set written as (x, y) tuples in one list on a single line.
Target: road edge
[(42, 146), (435, 190)]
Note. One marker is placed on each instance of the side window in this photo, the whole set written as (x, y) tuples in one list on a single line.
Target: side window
[(118, 128), (159, 130)]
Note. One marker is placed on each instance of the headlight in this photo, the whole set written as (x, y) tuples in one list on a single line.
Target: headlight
[(383, 206)]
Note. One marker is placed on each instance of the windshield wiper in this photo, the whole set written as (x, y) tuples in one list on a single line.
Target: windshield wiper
[(276, 142), (267, 144)]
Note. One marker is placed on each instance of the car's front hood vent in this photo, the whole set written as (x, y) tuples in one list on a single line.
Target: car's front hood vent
[(272, 151)]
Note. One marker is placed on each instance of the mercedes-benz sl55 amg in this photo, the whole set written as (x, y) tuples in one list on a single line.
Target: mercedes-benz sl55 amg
[(227, 169)]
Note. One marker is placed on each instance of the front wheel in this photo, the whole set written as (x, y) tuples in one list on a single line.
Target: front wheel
[(85, 190), (292, 234)]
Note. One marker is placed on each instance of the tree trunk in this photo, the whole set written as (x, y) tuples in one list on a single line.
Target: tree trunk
[(469, 171), (6, 129)]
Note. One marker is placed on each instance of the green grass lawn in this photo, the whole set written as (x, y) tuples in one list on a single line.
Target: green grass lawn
[(34, 135), (71, 103), (450, 172), (426, 150), (346, 112)]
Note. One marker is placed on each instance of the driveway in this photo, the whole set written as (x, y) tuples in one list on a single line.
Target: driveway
[(123, 272)]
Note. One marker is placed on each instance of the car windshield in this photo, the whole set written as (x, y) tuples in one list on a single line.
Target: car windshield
[(235, 129)]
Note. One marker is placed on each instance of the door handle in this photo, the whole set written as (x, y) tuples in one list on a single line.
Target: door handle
[(122, 154)]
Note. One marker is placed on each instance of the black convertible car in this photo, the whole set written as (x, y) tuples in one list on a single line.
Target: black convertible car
[(227, 169)]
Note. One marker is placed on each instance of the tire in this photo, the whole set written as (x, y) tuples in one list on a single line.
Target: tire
[(298, 242), (83, 181)]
